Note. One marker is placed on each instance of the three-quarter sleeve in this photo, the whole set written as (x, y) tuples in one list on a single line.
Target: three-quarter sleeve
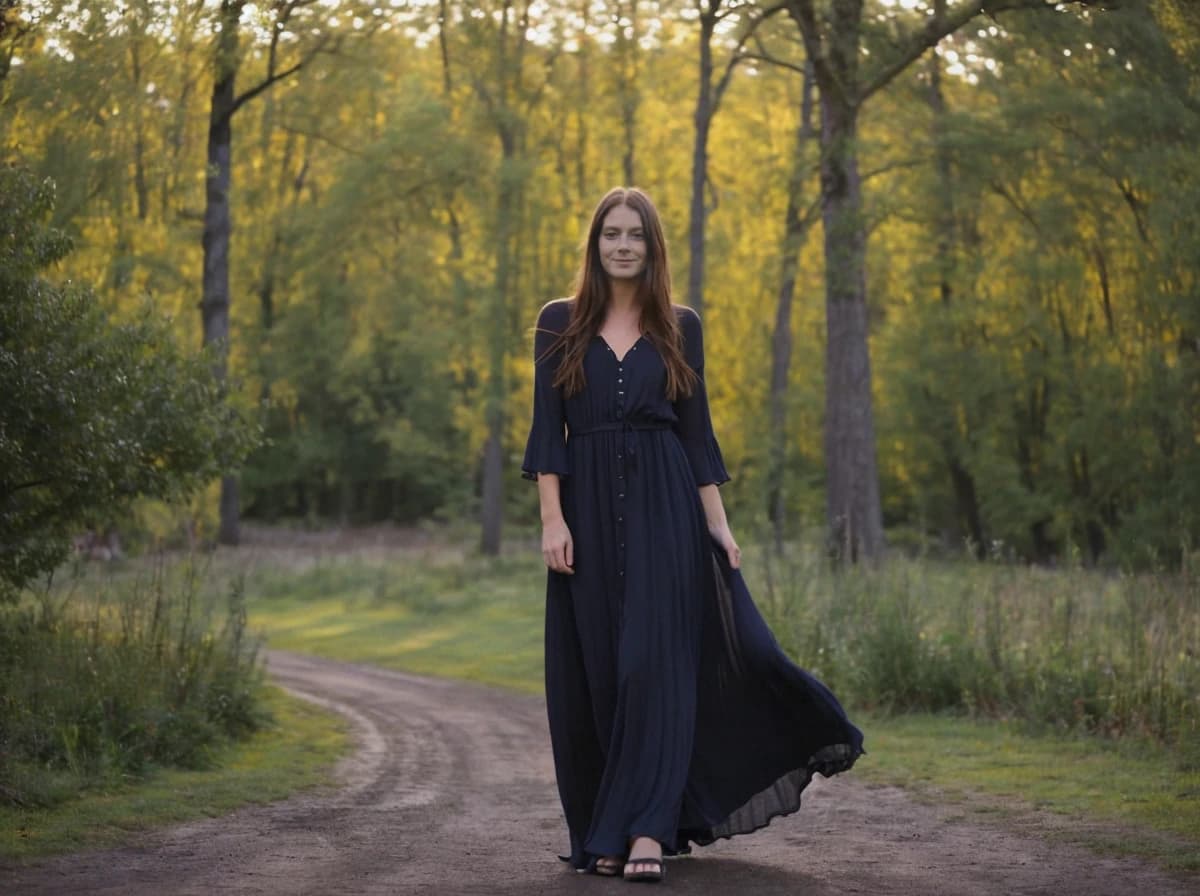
[(546, 448), (695, 425)]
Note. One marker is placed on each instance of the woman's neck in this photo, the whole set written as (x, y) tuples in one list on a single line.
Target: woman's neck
[(623, 295)]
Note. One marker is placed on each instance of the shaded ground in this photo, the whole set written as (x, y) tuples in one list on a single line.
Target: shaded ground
[(452, 791)]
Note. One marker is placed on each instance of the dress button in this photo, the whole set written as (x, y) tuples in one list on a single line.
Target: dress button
[(621, 495)]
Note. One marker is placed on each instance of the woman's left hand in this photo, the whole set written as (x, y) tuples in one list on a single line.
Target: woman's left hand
[(724, 538)]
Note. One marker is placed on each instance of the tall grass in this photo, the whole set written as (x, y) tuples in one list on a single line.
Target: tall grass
[(102, 682), (1073, 649)]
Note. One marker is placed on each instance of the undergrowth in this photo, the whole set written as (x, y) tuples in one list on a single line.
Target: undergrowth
[(100, 686)]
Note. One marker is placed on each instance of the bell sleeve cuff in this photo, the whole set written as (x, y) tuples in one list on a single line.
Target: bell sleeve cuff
[(546, 447), (704, 456), (545, 452), (694, 424)]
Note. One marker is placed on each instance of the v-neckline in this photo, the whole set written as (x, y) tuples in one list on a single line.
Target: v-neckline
[(621, 358)]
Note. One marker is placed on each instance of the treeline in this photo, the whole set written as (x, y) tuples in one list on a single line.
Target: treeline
[(408, 184)]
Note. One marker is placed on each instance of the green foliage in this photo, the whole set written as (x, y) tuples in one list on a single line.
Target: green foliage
[(1070, 650), (95, 690), (295, 752), (94, 411), (1044, 404)]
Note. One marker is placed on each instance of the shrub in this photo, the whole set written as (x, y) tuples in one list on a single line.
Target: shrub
[(94, 412), (94, 691)]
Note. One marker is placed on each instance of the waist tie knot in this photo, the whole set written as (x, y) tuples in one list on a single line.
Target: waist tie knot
[(626, 427)]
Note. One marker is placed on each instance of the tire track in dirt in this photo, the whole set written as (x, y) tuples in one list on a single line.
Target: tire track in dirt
[(451, 791)]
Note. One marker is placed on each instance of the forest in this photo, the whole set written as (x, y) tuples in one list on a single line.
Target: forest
[(944, 251)]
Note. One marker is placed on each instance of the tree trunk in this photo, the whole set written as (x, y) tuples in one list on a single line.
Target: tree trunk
[(966, 495), (703, 122), (795, 234), (139, 143), (214, 307), (497, 392), (852, 491), (627, 90)]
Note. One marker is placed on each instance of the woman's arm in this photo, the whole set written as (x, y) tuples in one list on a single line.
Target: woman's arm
[(557, 547), (718, 525)]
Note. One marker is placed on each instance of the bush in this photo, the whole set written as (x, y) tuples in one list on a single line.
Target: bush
[(94, 412), (92, 692)]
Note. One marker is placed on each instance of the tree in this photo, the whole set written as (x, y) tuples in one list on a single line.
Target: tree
[(218, 226), (711, 14), (93, 412), (508, 81), (798, 221), (833, 37)]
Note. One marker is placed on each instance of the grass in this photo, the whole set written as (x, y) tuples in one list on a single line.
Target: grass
[(440, 610), (437, 612), (296, 752), (1129, 798)]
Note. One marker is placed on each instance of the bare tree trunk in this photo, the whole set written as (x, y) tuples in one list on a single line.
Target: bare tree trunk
[(966, 495), (509, 100), (628, 90), (796, 227), (708, 100), (702, 120), (497, 395), (214, 307), (852, 498), (139, 143), (582, 111)]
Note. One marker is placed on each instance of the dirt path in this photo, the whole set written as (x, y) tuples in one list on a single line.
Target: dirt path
[(452, 792)]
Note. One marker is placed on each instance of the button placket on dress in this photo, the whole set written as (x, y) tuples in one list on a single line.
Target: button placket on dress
[(623, 452)]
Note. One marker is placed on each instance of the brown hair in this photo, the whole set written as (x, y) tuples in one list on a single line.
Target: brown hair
[(593, 290)]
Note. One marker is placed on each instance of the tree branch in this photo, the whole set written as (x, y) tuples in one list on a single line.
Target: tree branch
[(774, 60), (264, 85), (738, 54), (939, 26), (830, 85), (274, 76)]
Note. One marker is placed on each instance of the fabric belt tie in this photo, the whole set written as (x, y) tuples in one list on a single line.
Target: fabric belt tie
[(626, 427)]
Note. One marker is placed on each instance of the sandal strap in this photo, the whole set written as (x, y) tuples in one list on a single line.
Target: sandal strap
[(645, 861)]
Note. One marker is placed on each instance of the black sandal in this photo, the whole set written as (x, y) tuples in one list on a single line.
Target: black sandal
[(649, 877)]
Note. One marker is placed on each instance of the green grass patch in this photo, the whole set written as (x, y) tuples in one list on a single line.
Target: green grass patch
[(296, 752), (1126, 797), (435, 612)]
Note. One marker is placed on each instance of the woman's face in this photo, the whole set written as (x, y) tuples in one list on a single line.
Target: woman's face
[(622, 243)]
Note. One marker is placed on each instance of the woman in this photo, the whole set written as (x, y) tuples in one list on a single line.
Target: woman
[(674, 715)]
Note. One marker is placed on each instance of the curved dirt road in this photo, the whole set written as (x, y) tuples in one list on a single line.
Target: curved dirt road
[(451, 791)]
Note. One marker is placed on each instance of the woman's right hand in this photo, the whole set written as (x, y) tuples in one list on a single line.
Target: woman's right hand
[(558, 549)]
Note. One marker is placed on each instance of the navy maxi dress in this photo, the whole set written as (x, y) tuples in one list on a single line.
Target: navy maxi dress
[(673, 712)]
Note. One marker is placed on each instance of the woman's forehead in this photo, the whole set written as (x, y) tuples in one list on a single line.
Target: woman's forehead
[(622, 217)]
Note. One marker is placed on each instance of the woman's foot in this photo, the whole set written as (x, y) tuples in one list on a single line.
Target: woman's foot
[(645, 862), (609, 866)]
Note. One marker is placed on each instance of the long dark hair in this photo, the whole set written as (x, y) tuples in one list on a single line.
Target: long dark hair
[(593, 291)]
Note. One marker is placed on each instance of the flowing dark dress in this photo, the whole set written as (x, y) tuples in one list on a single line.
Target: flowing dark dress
[(673, 712)]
